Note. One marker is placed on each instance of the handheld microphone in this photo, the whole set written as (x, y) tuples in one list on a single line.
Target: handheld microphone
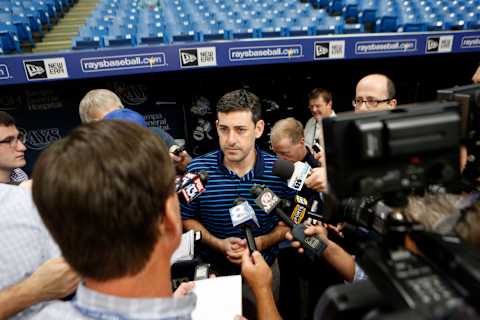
[(295, 174), (316, 147), (313, 212), (300, 209), (243, 215), (191, 185), (176, 149), (267, 200)]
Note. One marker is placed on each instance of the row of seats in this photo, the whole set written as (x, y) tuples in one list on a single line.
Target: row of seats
[(143, 22), (23, 22)]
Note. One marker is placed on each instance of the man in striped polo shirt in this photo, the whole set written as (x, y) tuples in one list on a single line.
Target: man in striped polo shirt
[(232, 171)]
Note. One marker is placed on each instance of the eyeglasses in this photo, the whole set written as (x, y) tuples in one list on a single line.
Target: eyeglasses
[(12, 141), (370, 102)]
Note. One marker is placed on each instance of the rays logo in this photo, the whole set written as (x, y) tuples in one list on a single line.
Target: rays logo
[(39, 139), (132, 95)]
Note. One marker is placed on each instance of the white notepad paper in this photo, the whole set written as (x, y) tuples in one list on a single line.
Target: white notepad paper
[(218, 298)]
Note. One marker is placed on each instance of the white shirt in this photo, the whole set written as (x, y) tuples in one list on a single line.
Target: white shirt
[(25, 243), (312, 130)]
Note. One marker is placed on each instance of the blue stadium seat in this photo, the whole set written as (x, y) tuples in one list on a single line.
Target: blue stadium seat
[(33, 18), (9, 37), (350, 12), (335, 7), (23, 28), (166, 21), (387, 19), (367, 14), (42, 9), (145, 37), (90, 37), (319, 3), (472, 20), (353, 28)]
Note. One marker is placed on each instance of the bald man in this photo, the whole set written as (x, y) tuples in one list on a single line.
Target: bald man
[(374, 92)]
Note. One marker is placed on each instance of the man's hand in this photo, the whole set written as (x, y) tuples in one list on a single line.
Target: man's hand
[(27, 184), (181, 161), (183, 289), (317, 180), (309, 231), (337, 228), (54, 279), (476, 76), (256, 271), (233, 248)]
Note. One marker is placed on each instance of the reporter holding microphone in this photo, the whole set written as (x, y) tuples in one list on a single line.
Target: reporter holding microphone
[(258, 275), (101, 104)]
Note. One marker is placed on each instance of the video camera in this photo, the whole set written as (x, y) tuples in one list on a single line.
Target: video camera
[(468, 98), (374, 161)]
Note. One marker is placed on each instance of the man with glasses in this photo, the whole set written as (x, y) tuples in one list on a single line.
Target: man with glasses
[(12, 151), (374, 92)]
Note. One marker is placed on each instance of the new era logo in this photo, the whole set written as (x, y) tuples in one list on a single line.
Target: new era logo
[(330, 50), (35, 69), (198, 57), (188, 57), (433, 44), (322, 49), (52, 68)]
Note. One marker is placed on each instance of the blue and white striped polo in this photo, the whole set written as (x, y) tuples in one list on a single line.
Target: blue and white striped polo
[(223, 187)]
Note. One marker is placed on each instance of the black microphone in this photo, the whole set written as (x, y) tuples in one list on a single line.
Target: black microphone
[(296, 173), (190, 185), (243, 215), (268, 201), (299, 207)]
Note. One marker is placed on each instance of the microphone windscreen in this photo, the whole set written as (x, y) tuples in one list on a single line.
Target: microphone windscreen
[(203, 176), (239, 200), (176, 149), (283, 169)]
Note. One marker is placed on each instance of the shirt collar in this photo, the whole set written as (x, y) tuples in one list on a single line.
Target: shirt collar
[(87, 300), (258, 168)]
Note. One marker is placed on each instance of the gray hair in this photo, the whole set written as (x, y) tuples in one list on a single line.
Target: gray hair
[(98, 100)]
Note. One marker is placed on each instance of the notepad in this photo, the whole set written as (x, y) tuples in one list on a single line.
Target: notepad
[(218, 298), (185, 250)]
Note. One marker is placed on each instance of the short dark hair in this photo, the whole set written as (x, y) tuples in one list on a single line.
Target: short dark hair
[(241, 100), (6, 119), (320, 92), (102, 192)]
